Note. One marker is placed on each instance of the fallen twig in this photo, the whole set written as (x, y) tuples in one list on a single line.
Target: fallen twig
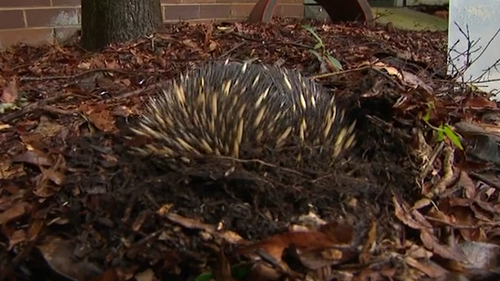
[(135, 92), (31, 107), (447, 178), (260, 40), (71, 77), (329, 74), (225, 54)]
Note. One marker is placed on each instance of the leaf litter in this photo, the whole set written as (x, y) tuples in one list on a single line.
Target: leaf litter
[(409, 205)]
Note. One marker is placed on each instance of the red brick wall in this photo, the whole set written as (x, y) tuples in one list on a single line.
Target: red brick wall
[(40, 21)]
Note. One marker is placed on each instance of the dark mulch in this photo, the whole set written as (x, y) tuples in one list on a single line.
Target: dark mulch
[(76, 197)]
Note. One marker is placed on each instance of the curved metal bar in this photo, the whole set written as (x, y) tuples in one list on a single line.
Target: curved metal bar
[(338, 10)]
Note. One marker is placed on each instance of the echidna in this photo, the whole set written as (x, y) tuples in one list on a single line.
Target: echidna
[(238, 110)]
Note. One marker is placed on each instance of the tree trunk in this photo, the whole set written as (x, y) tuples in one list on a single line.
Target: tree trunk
[(115, 21)]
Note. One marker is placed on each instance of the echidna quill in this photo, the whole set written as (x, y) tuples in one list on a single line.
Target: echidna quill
[(229, 109)]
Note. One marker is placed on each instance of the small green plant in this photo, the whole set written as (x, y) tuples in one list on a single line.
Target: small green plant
[(319, 50), (443, 130), (237, 272)]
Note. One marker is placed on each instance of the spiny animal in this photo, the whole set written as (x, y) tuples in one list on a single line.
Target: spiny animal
[(238, 109)]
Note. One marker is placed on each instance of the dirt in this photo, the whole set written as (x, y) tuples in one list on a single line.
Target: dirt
[(77, 203)]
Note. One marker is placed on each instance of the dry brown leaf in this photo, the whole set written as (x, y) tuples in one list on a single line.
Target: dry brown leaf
[(410, 218), (35, 157), (309, 221), (10, 93), (440, 216), (370, 274), (191, 44), (213, 46), (108, 275), (53, 175), (445, 251), (43, 188), (13, 212), (223, 271), (341, 233), (48, 128), (59, 256), (463, 216), (34, 229), (430, 268), (487, 208), (316, 259), (228, 236), (8, 170), (146, 275), (467, 184), (100, 116), (481, 259), (481, 215), (314, 249), (424, 202), (4, 126), (460, 202), (417, 251), (126, 82), (105, 82), (370, 241), (479, 102), (112, 64), (136, 226), (263, 272), (17, 237), (85, 65), (208, 34)]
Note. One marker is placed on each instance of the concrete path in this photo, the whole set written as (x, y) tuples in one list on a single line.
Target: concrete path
[(405, 18)]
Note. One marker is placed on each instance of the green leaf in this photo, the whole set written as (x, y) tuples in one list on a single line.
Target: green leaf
[(453, 137), (313, 33), (237, 272), (316, 54), (427, 116), (335, 62), (240, 272), (8, 106), (207, 276), (473, 87), (430, 107), (440, 135)]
